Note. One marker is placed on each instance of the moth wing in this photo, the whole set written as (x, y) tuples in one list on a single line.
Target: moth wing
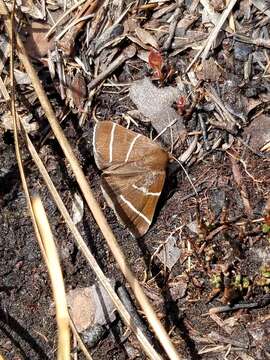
[(114, 145), (134, 199), (133, 173)]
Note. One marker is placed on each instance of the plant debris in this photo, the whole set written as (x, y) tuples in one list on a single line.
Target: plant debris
[(169, 253)]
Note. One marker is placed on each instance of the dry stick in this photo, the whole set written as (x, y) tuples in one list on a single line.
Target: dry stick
[(148, 348), (126, 299), (126, 54), (89, 197), (196, 57), (265, 301), (72, 24), (172, 28), (217, 28), (58, 288), (3, 90)]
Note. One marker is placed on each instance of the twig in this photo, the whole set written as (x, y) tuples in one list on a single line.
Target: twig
[(216, 29), (79, 340), (61, 74), (217, 337), (187, 175), (126, 54), (258, 42), (240, 184), (266, 147), (212, 14), (204, 132), (3, 90), (97, 22), (265, 301), (196, 57), (165, 129), (127, 302), (210, 91), (187, 153), (172, 27), (70, 26)]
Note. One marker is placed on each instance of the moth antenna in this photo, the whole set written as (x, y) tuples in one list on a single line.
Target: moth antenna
[(185, 171)]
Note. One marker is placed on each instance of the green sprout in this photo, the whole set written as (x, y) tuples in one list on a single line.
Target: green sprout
[(265, 228), (216, 281)]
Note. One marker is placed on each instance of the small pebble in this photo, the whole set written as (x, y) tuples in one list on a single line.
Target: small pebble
[(241, 51)]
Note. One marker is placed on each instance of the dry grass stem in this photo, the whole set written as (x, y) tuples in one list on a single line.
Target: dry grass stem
[(78, 63), (58, 22), (216, 29), (262, 5), (80, 342), (57, 282), (266, 147)]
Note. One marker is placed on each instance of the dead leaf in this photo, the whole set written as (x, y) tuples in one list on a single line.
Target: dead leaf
[(4, 49), (259, 132), (28, 7), (146, 37), (170, 253), (77, 91), (22, 78)]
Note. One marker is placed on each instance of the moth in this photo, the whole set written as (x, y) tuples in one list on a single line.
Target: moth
[(133, 174)]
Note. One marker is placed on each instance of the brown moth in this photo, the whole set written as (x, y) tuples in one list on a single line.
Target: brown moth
[(133, 174)]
